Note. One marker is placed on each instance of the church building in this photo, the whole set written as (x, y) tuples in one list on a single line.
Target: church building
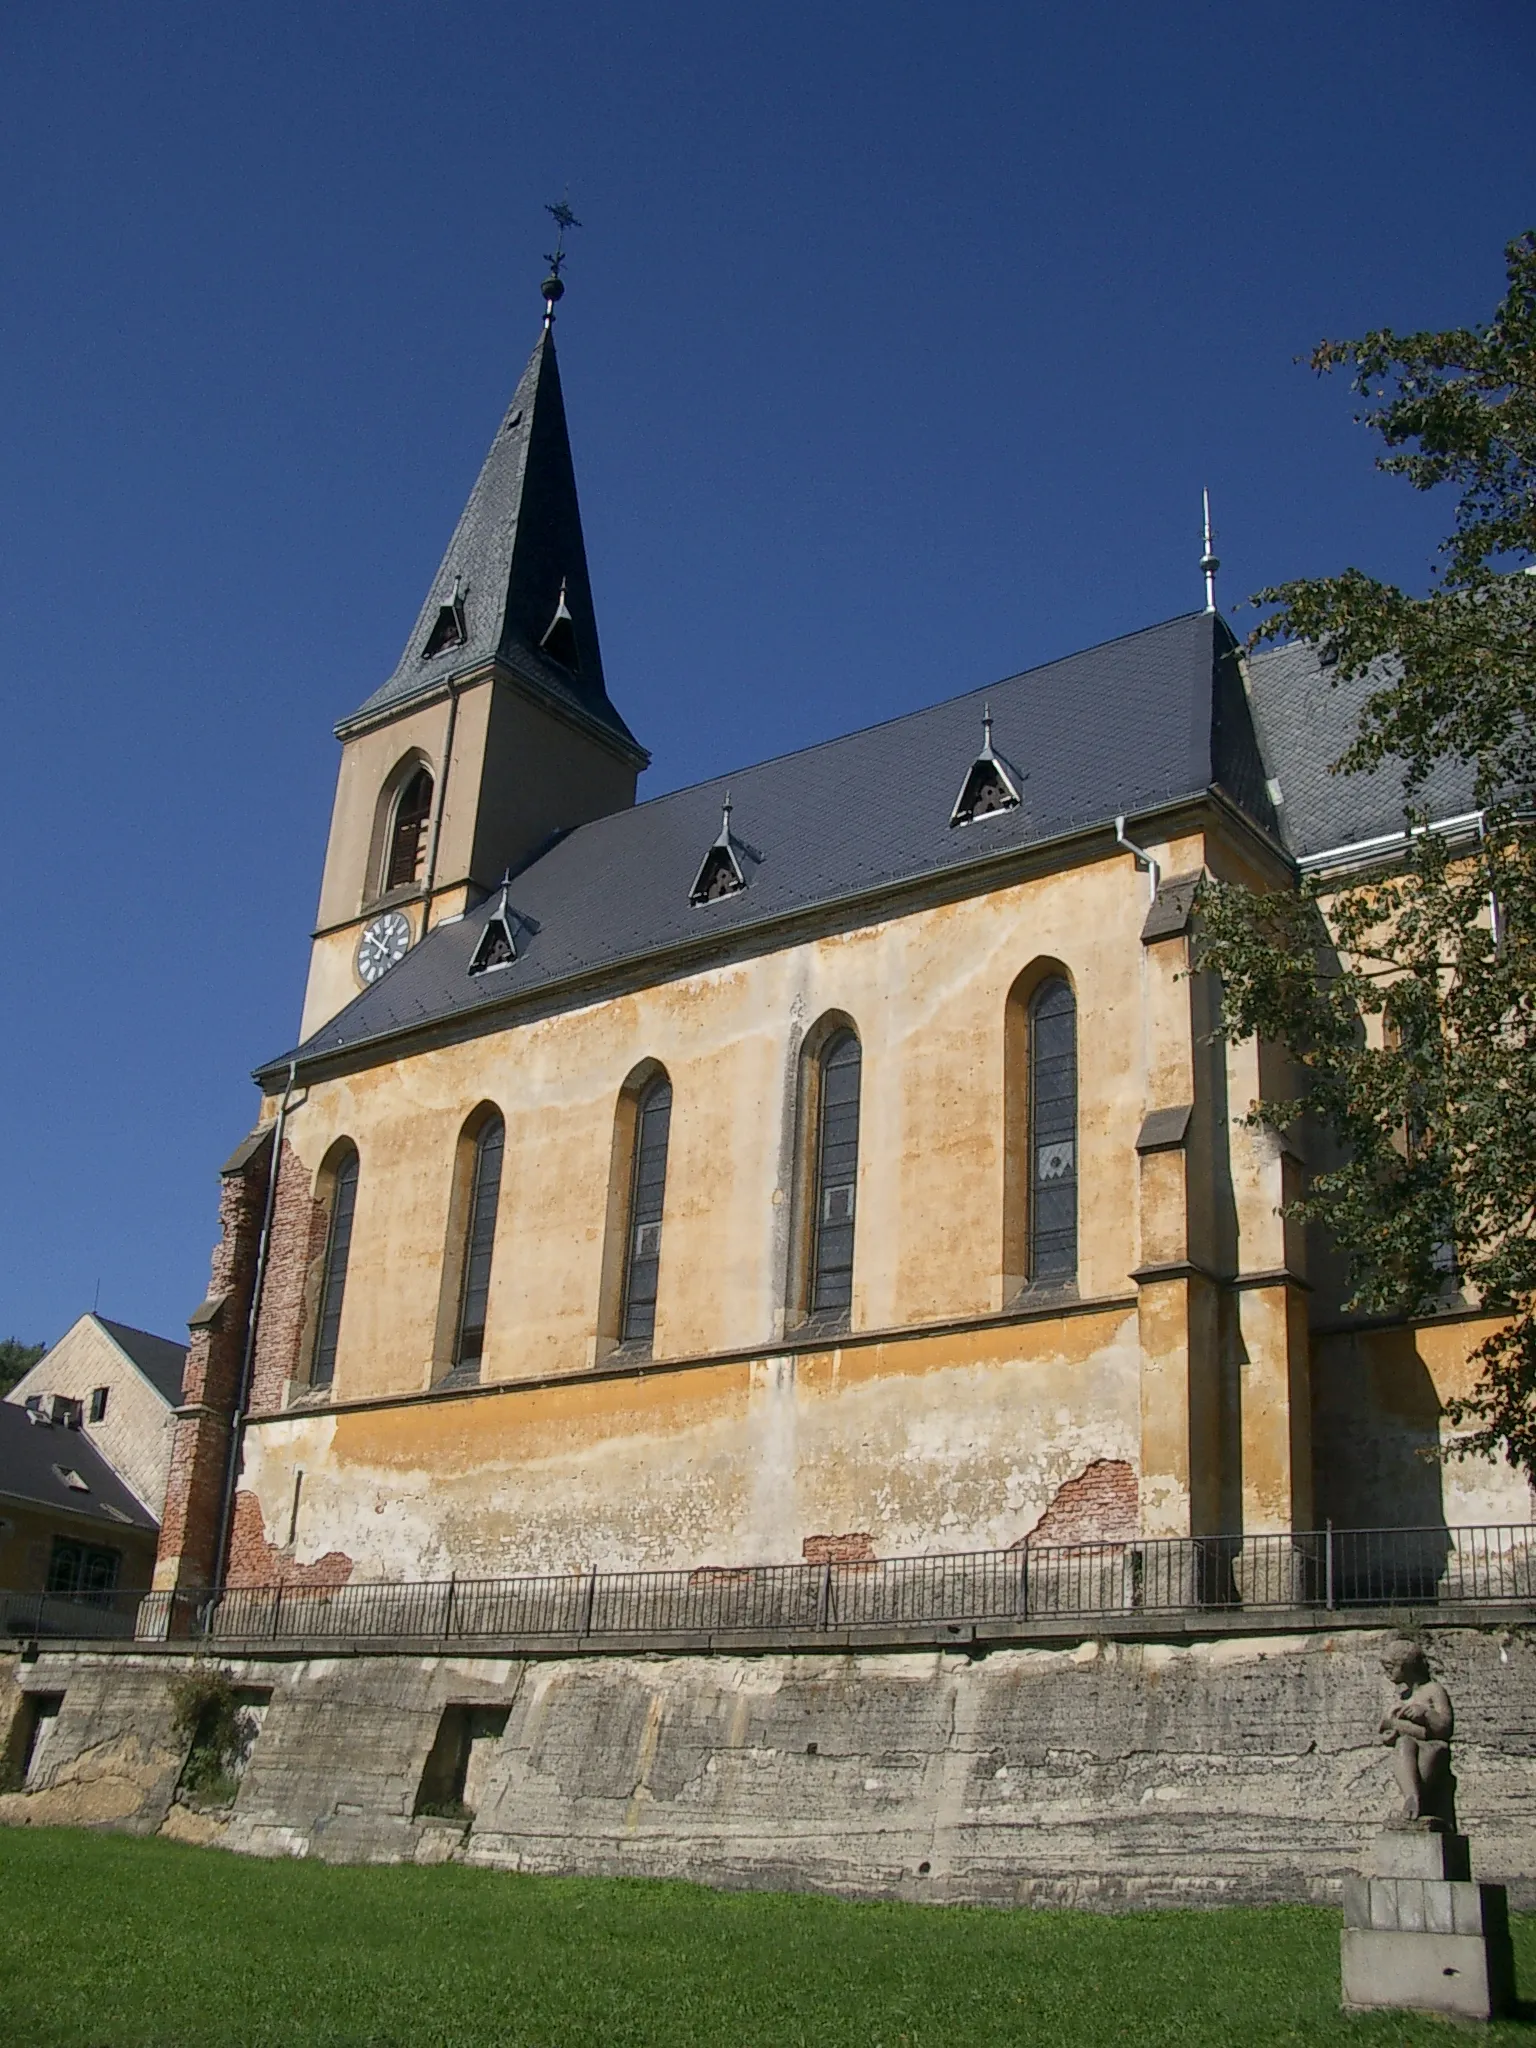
[(833, 1160)]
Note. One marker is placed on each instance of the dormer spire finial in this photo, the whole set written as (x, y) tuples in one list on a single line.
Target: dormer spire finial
[(1209, 563)]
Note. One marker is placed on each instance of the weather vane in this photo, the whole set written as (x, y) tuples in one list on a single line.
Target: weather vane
[(560, 213)]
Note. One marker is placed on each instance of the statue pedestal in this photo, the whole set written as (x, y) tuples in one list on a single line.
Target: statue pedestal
[(1418, 1933)]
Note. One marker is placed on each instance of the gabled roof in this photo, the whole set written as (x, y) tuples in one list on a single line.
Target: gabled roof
[(1129, 726), (161, 1360), (516, 559), (1305, 720), (29, 1451)]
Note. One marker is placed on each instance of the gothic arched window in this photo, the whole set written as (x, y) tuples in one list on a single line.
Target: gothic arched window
[(333, 1278), (647, 1196), (479, 1241), (1053, 1133), (839, 1072), (408, 831)]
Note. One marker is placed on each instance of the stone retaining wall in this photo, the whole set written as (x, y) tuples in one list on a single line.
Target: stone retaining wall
[(1098, 1774)]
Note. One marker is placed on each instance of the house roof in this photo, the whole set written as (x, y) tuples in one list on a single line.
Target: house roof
[(1129, 726), (1305, 720), (30, 1452), (161, 1360), (516, 559)]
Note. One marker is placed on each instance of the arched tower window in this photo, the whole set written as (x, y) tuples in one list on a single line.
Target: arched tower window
[(1053, 1133), (479, 1241), (333, 1279), (408, 831), (648, 1188), (839, 1073)]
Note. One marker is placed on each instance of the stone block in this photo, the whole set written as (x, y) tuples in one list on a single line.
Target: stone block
[(1467, 1976), (1419, 1852)]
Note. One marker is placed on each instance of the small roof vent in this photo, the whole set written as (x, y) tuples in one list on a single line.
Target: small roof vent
[(559, 641), (989, 786), (495, 947), (448, 630), (71, 1478), (720, 872)]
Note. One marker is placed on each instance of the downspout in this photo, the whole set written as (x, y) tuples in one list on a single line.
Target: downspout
[(1143, 858), (243, 1390), (437, 811)]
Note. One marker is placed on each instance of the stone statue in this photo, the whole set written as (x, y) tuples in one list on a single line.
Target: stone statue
[(1418, 1730)]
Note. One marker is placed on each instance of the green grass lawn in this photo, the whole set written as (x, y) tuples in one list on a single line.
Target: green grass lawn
[(111, 1942)]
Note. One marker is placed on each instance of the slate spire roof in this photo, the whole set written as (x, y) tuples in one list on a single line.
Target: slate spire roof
[(512, 586)]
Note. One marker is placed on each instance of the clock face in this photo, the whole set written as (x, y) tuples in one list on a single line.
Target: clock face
[(384, 943)]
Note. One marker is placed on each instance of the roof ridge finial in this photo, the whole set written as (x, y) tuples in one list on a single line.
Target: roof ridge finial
[(1209, 563), (725, 822), (986, 730), (554, 289)]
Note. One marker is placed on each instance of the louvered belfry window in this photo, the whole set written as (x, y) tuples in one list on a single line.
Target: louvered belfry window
[(485, 1195), (648, 1189), (408, 839), (837, 1172), (338, 1244), (1053, 1133)]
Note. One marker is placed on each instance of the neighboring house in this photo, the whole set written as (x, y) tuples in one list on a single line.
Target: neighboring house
[(124, 1386), (68, 1523)]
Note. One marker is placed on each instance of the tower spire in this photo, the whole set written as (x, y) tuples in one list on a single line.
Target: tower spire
[(1209, 563)]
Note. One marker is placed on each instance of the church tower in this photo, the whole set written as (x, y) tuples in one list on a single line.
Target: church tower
[(495, 733)]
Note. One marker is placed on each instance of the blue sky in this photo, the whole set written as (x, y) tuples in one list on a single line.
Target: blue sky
[(899, 343)]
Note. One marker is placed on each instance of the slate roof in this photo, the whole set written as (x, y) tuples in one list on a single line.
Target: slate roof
[(30, 1450), (161, 1360), (518, 541), (1305, 721), (1129, 726)]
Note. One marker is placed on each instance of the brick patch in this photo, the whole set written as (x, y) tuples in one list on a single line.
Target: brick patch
[(253, 1561), (857, 1547), (293, 1255), (189, 1528), (1098, 1506)]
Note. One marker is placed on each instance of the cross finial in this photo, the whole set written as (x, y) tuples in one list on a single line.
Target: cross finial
[(554, 289), (1209, 563)]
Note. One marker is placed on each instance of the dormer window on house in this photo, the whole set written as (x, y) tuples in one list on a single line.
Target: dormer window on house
[(408, 834), (559, 641), (988, 786), (720, 871), (496, 946), (448, 629)]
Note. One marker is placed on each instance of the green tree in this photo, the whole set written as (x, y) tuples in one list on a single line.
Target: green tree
[(16, 1361), (1410, 1009)]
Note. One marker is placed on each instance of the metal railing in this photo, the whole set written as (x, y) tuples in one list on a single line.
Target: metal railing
[(1325, 1570)]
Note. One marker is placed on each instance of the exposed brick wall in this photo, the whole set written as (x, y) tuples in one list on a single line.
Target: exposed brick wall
[(297, 1244), (1098, 1506), (253, 1561), (189, 1529), (857, 1547)]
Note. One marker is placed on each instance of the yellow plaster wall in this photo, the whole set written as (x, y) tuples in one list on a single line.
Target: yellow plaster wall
[(1378, 1406), (940, 1442), (927, 993)]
